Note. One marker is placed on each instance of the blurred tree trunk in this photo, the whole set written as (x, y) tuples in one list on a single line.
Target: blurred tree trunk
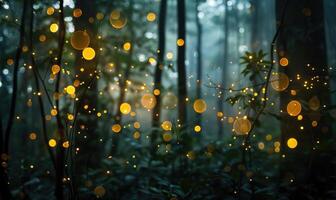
[(123, 81), (220, 100), (255, 38), (158, 69), (89, 153), (181, 68), (199, 59), (302, 41)]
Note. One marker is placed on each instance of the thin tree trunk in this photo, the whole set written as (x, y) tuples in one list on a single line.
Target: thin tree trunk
[(123, 83), (181, 68), (61, 131), (37, 85), (199, 60), (220, 101), (158, 70)]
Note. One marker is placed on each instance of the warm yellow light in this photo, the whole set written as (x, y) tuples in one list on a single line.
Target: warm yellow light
[(167, 125), (197, 128), (99, 191), (125, 108), (151, 17), (80, 40), (292, 143), (220, 114), (52, 143), (200, 106), (294, 108), (53, 112), (77, 12), (53, 28), (70, 89), (279, 81), (156, 92), (284, 62), (117, 19), (167, 137), (66, 144), (55, 69), (148, 101), (88, 53), (116, 128), (50, 11), (70, 117), (136, 125), (136, 135), (127, 46), (32, 136), (180, 42), (242, 126)]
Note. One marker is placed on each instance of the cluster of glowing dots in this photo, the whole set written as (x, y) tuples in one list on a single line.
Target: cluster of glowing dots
[(242, 126), (284, 62), (125, 108), (148, 101), (294, 108), (117, 19), (167, 125), (70, 89), (200, 106), (88, 53), (80, 40), (292, 143), (116, 128), (53, 27)]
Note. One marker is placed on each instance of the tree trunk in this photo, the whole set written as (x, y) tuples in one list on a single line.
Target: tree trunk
[(181, 68), (158, 69), (220, 101), (199, 60), (302, 41)]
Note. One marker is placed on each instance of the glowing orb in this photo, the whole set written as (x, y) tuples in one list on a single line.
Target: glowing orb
[(200, 106), (292, 143), (52, 143), (242, 126), (88, 53), (77, 12), (167, 125), (283, 62), (116, 128), (294, 108), (169, 100), (167, 137), (117, 19), (125, 108), (70, 89), (151, 17), (148, 101), (80, 40), (279, 81), (197, 128), (53, 28)]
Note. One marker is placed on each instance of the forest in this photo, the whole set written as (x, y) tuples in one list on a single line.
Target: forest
[(167, 99)]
